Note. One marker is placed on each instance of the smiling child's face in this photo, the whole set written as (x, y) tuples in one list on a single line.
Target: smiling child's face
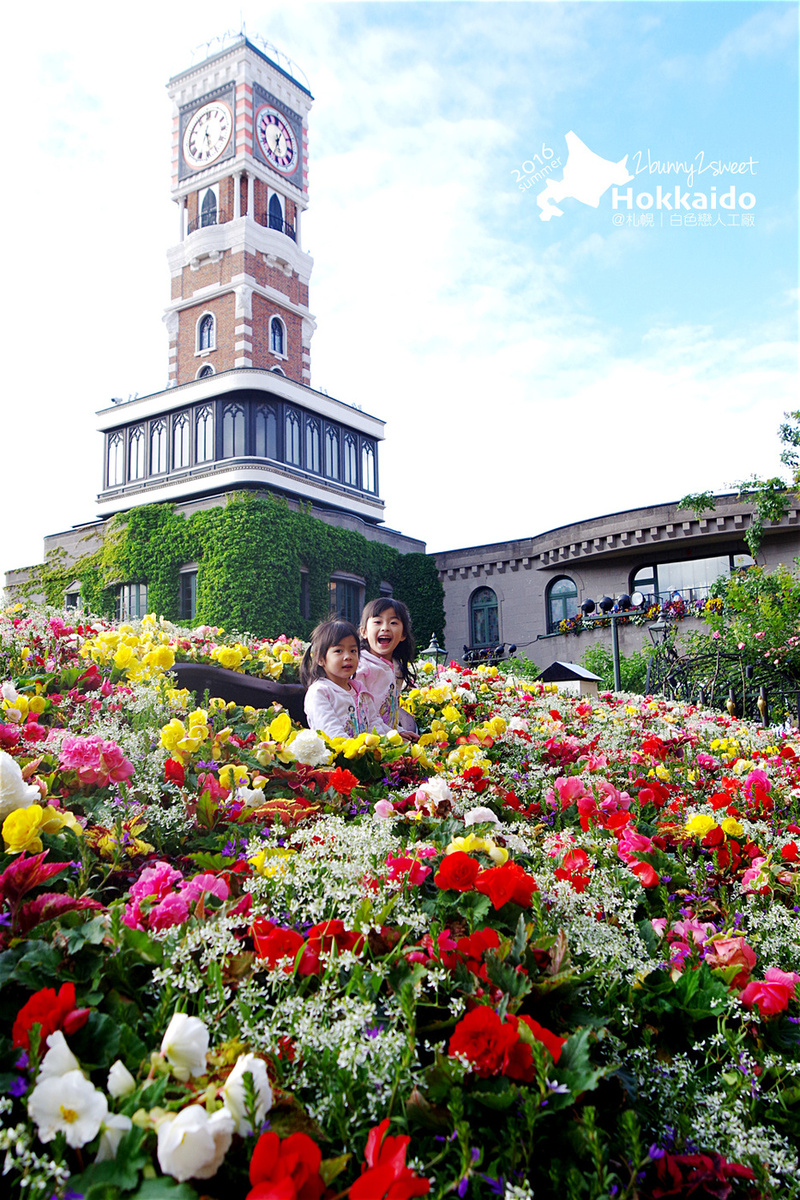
[(341, 662), (384, 633)]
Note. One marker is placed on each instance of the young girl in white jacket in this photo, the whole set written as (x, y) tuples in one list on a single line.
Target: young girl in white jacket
[(336, 703)]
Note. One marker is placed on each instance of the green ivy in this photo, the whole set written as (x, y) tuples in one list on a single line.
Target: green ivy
[(249, 554)]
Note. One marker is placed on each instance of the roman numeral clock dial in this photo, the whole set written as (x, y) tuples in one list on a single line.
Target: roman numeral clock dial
[(275, 137), (207, 135)]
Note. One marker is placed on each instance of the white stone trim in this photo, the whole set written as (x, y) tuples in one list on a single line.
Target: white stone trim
[(255, 379), (264, 475), (238, 236)]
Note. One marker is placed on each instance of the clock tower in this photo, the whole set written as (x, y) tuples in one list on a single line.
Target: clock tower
[(239, 177)]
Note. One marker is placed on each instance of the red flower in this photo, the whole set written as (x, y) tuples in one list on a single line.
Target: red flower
[(286, 1169), (386, 1176), (483, 1039), (457, 872), (342, 781), (508, 882), (51, 1011), (551, 1041), (273, 943), (174, 772), (697, 1175)]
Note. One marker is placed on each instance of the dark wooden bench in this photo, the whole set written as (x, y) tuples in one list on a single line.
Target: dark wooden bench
[(241, 689)]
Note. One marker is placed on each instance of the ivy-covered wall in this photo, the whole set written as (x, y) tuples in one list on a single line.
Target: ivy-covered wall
[(249, 555)]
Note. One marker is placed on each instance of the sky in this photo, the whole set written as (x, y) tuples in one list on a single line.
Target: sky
[(531, 372)]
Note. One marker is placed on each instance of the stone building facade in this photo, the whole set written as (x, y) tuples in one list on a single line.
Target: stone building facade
[(518, 591)]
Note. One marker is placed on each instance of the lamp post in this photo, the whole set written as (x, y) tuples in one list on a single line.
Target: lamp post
[(434, 650), (612, 612)]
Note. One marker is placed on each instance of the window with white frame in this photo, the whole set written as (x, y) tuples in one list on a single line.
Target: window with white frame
[(292, 453), (368, 466), (205, 371), (131, 601), (206, 333), (208, 207), (275, 215), (277, 337), (115, 460), (136, 453), (180, 441), (158, 447), (204, 434), (233, 431)]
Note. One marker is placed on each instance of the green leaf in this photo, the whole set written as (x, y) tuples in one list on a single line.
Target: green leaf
[(97, 1043), (495, 1093), (331, 1168), (105, 1179), (164, 1188)]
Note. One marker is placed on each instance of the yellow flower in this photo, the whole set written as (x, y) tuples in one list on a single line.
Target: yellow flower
[(172, 734), (663, 773), (701, 824), (280, 728), (451, 713), (21, 830), (163, 658), (233, 775), (732, 827), (471, 842), (198, 717), (54, 819), (37, 704), (272, 862), (124, 657)]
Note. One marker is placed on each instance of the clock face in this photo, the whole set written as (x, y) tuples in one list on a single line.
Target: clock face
[(276, 139), (207, 135)]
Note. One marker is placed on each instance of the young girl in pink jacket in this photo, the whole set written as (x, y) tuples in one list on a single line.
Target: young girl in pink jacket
[(386, 663)]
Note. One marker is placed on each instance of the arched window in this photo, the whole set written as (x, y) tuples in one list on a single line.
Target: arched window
[(292, 436), (136, 453), (562, 602), (312, 446), (277, 371), (232, 431), (205, 371), (331, 452), (207, 332), (275, 213), (266, 432), (115, 463), (277, 336), (204, 434), (158, 447), (350, 460), (208, 209), (368, 467), (484, 626), (180, 441)]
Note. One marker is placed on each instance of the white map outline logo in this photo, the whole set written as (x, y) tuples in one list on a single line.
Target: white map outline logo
[(586, 177)]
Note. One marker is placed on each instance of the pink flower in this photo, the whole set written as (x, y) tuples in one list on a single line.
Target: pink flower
[(753, 880), (201, 884), (773, 994), (410, 867), (173, 910), (95, 760), (730, 952), (570, 788), (156, 881)]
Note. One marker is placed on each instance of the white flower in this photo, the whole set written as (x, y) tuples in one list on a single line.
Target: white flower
[(233, 1092), (14, 791), (476, 816), (308, 748), (120, 1081), (437, 791), (9, 692), (185, 1046), (518, 725), (67, 1104), (192, 1145), (250, 797), (112, 1132), (59, 1059)]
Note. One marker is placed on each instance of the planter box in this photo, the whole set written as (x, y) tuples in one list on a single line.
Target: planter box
[(241, 689)]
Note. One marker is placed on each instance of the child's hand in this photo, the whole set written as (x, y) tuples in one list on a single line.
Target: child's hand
[(408, 736)]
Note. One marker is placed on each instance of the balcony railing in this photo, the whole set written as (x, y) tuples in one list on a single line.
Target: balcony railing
[(200, 223), (278, 223)]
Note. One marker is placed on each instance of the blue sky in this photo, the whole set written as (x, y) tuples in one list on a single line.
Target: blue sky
[(531, 373)]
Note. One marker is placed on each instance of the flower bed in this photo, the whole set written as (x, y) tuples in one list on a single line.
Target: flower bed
[(551, 948)]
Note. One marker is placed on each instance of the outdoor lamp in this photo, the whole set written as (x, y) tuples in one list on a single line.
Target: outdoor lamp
[(624, 602), (637, 599), (606, 604), (587, 607), (434, 650), (658, 631)]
